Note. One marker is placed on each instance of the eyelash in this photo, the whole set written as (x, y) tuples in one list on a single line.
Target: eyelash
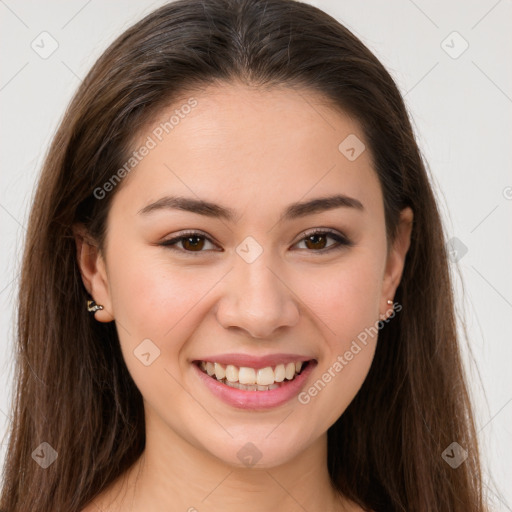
[(341, 240)]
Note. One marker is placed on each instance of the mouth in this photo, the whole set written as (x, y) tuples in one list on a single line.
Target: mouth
[(254, 379)]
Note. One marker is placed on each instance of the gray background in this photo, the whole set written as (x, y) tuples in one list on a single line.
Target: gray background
[(460, 103)]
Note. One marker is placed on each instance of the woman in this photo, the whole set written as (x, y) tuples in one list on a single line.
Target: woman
[(188, 337)]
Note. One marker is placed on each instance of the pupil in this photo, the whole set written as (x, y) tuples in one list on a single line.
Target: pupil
[(196, 245), (312, 237)]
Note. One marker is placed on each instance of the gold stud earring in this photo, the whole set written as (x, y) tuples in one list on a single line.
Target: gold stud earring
[(92, 307), (390, 302)]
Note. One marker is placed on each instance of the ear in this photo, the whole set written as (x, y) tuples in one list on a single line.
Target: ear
[(396, 260), (93, 271)]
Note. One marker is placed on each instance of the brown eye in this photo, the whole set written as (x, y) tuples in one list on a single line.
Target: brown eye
[(316, 241), (190, 243), (193, 243)]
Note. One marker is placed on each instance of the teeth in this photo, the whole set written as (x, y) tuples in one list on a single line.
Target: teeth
[(262, 379), (210, 368), (251, 387), (280, 373), (246, 375), (290, 371), (220, 371), (231, 373), (265, 376)]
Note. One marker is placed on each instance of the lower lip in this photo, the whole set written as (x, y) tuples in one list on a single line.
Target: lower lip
[(256, 400)]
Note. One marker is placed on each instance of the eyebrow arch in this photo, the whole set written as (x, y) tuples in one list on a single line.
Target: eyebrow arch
[(209, 209)]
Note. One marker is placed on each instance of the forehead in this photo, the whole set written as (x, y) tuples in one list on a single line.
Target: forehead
[(252, 147)]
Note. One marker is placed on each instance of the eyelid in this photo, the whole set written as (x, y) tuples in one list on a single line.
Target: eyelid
[(341, 240), (184, 234), (327, 231)]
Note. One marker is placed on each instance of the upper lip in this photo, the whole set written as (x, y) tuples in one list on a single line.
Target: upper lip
[(254, 361)]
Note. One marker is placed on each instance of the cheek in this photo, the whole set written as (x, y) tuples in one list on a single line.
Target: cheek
[(337, 383), (345, 296), (151, 298), (157, 307), (345, 302), (166, 304)]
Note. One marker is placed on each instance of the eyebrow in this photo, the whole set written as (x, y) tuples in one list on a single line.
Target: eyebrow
[(293, 211)]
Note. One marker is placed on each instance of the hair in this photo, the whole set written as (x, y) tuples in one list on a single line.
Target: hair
[(73, 389)]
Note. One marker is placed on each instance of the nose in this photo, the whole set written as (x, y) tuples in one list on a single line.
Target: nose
[(257, 299)]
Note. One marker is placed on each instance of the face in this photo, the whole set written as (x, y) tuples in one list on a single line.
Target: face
[(260, 278)]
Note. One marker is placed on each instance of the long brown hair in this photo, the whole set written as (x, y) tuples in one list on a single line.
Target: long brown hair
[(73, 389)]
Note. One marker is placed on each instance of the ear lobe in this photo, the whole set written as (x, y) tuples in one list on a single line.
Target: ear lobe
[(396, 257), (94, 276)]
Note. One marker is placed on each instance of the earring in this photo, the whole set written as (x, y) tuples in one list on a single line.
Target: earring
[(384, 316), (92, 307)]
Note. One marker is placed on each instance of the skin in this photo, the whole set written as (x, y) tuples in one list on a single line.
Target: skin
[(256, 152)]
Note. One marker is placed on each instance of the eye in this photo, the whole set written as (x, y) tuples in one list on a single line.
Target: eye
[(317, 239), (192, 242)]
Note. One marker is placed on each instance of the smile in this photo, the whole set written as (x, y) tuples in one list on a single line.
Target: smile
[(252, 379)]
